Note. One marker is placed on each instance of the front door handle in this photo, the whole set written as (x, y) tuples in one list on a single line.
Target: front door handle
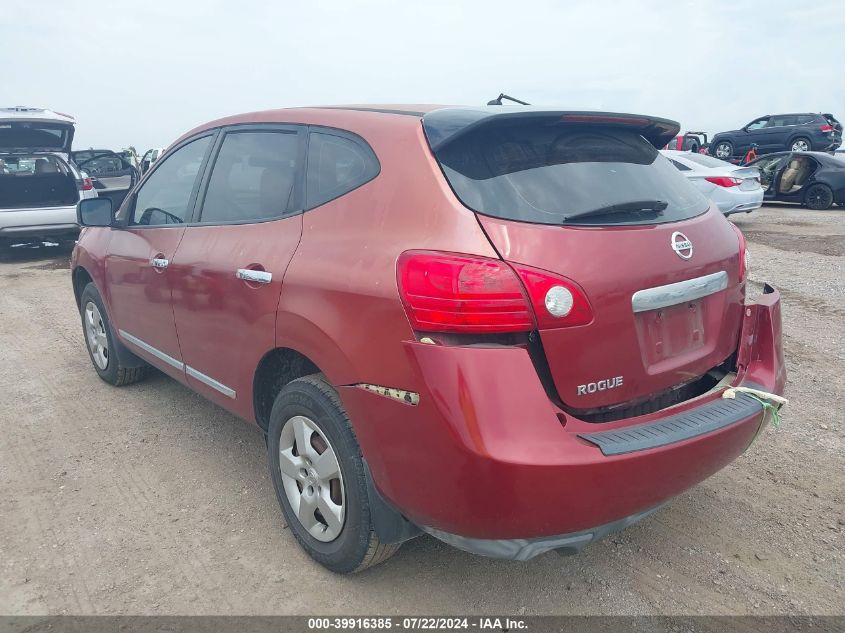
[(160, 262), (255, 276)]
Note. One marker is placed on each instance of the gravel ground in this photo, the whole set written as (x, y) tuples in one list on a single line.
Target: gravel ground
[(150, 500)]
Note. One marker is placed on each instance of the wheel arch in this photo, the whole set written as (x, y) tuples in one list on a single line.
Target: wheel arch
[(80, 278), (277, 367)]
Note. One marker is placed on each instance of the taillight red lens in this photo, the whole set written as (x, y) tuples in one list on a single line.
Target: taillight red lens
[(87, 185), (448, 292), (557, 301), (743, 253), (724, 181), (826, 128)]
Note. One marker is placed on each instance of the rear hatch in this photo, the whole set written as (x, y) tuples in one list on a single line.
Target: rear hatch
[(586, 196), (35, 130)]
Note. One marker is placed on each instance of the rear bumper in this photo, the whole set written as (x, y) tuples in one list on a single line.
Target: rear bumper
[(487, 463), (735, 201), (38, 222)]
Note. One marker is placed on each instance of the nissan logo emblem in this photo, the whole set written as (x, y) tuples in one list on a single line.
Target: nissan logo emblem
[(681, 245)]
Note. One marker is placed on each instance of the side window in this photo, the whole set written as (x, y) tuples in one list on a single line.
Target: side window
[(253, 177), (336, 165), (758, 124), (166, 194), (679, 165), (805, 119)]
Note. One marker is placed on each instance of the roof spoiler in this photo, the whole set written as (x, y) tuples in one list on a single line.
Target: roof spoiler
[(444, 126)]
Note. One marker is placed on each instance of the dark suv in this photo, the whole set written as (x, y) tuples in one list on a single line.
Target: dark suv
[(801, 132)]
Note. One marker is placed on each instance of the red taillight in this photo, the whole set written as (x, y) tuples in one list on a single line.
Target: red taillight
[(826, 128), (557, 301), (446, 292), (724, 181), (86, 185), (451, 292), (743, 253)]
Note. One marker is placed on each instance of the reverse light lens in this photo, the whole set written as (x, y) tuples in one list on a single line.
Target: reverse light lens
[(559, 301), (548, 293), (724, 181)]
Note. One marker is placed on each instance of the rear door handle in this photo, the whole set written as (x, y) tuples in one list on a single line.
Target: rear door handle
[(255, 276), (160, 262)]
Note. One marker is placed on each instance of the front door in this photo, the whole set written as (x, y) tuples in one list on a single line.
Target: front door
[(152, 223), (227, 272)]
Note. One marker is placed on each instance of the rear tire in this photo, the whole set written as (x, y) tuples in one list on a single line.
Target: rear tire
[(801, 144), (100, 341), (723, 150), (309, 408), (819, 197)]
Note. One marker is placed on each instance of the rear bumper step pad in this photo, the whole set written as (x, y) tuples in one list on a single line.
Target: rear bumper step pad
[(710, 417)]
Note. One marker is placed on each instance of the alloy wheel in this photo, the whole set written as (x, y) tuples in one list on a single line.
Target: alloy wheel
[(800, 146), (95, 333), (723, 151), (312, 478)]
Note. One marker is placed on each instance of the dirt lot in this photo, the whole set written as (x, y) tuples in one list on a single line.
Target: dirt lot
[(148, 499)]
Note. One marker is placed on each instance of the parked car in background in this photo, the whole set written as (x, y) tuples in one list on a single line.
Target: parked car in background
[(689, 142), (112, 175), (813, 179), (39, 186), (150, 157), (492, 351), (780, 132), (733, 189), (131, 156)]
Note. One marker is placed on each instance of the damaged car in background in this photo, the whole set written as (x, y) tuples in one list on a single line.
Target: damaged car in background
[(39, 184)]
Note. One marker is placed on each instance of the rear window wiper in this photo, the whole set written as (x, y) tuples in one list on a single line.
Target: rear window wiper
[(649, 206)]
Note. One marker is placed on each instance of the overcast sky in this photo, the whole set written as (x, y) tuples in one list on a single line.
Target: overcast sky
[(144, 72)]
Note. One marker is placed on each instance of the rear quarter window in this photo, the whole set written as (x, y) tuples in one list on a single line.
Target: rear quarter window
[(337, 164)]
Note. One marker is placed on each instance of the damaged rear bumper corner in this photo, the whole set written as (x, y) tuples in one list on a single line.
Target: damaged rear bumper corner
[(528, 548)]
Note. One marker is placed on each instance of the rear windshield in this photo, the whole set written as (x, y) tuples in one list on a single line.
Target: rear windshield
[(32, 164), (552, 173), (33, 135)]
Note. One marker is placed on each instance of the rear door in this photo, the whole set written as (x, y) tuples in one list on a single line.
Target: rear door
[(227, 272), (138, 278), (539, 187)]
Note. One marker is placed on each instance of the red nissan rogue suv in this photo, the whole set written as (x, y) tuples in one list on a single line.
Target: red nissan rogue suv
[(508, 327)]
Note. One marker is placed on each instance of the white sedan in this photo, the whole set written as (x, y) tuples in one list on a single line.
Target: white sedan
[(734, 189)]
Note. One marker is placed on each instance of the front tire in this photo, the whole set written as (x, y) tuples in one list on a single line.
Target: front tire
[(319, 478), (100, 341), (818, 197), (723, 150)]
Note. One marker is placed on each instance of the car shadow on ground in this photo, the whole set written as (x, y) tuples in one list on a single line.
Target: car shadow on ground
[(50, 255)]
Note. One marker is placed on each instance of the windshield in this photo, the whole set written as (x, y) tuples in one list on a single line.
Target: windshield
[(553, 173)]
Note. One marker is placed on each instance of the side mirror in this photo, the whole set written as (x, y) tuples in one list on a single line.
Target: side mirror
[(94, 212)]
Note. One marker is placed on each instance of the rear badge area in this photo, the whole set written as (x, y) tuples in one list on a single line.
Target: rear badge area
[(600, 385)]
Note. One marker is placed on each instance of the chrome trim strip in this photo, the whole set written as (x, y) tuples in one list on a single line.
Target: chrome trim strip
[(673, 294), (256, 276), (152, 350), (219, 386)]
